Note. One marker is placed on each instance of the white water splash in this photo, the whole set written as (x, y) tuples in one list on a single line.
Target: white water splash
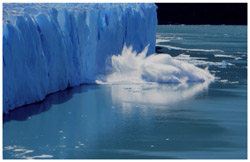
[(130, 67)]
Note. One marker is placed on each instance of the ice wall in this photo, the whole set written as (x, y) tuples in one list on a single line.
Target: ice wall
[(49, 47)]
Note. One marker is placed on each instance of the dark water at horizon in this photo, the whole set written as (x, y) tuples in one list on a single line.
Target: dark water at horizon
[(146, 121)]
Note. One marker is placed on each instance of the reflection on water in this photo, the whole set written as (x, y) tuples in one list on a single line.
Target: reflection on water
[(121, 121), (143, 93), (157, 94), (26, 111)]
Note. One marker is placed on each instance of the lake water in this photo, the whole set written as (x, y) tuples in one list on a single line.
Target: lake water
[(146, 121)]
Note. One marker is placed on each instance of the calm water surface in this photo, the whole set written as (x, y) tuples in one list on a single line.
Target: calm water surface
[(195, 120)]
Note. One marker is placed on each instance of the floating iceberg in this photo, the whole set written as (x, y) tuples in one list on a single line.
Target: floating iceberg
[(49, 47)]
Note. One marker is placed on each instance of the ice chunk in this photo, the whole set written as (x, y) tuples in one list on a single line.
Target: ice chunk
[(138, 68)]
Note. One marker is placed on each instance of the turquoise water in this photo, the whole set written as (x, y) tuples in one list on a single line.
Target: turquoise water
[(146, 121)]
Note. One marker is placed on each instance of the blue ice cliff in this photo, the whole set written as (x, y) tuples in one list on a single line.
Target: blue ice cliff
[(49, 47)]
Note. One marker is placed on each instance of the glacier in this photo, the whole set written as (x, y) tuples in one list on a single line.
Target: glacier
[(48, 47)]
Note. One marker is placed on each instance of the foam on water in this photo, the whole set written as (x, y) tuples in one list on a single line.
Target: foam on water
[(227, 56), (160, 38), (189, 49), (23, 153), (130, 67), (200, 61), (219, 55)]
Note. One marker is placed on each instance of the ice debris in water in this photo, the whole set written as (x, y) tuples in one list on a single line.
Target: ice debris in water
[(189, 49), (224, 63), (200, 61)]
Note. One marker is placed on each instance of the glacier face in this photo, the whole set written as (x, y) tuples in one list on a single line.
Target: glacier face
[(49, 47)]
